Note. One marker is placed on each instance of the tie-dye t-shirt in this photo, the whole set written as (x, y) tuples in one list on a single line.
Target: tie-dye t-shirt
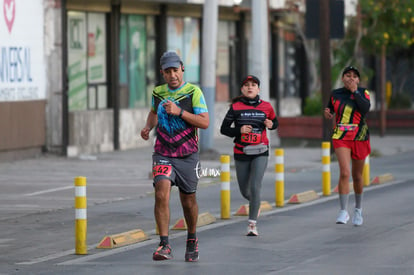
[(176, 137)]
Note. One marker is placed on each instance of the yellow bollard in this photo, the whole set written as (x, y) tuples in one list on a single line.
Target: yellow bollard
[(326, 168), (225, 186), (81, 221), (280, 178), (366, 172), (388, 92)]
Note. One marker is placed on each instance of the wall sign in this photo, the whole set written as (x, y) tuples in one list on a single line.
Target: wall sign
[(22, 66)]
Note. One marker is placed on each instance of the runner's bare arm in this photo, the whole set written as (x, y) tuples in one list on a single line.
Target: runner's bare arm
[(200, 121), (152, 120)]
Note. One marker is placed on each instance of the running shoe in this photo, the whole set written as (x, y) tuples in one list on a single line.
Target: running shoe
[(191, 252), (343, 217), (252, 229), (163, 252), (357, 219)]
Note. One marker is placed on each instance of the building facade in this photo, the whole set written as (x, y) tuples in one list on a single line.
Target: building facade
[(80, 81)]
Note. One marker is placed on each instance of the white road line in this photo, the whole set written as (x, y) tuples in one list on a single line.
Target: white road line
[(105, 253), (48, 257), (48, 191), (14, 206), (94, 185)]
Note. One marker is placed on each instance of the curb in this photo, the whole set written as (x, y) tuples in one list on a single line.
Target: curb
[(351, 188), (203, 219), (121, 239), (244, 209), (304, 197), (383, 178)]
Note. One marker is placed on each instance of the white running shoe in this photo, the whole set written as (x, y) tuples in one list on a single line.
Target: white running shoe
[(343, 217), (252, 229), (357, 219)]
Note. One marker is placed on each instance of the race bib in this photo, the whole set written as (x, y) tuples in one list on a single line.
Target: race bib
[(251, 138), (347, 127), (161, 170)]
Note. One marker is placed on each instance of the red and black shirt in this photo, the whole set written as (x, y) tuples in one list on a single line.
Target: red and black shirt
[(350, 109), (246, 111)]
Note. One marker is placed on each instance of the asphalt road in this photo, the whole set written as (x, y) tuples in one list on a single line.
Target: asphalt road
[(296, 239), (303, 239)]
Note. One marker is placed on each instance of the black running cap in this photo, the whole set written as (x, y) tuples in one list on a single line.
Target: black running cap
[(251, 78), (350, 68)]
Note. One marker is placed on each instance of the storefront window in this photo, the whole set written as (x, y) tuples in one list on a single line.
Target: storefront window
[(225, 60), (87, 61), (183, 36), (135, 62)]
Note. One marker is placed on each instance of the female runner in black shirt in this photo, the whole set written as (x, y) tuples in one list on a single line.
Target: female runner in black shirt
[(250, 116)]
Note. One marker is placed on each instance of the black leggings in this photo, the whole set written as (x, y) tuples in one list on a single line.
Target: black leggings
[(249, 176)]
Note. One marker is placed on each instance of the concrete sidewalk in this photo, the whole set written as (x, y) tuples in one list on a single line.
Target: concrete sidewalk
[(46, 183)]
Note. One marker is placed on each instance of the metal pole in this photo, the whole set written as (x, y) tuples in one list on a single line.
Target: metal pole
[(260, 45), (65, 84), (115, 21), (208, 69), (161, 38), (241, 55), (325, 60), (383, 116)]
